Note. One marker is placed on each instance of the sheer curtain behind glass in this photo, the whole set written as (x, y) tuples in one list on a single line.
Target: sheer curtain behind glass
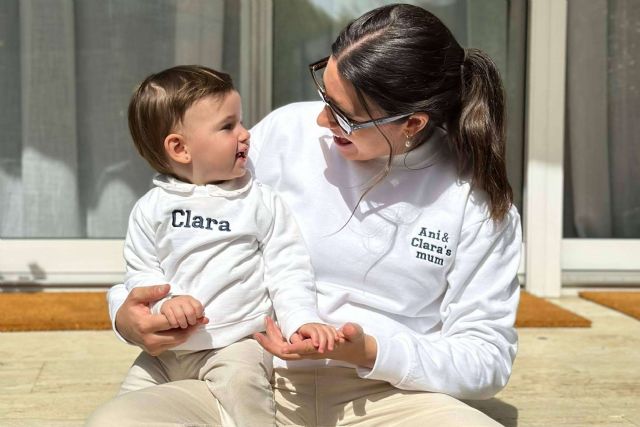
[(305, 29), (602, 179), (68, 168)]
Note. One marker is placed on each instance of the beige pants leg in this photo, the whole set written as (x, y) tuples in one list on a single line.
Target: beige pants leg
[(147, 371), (239, 377), (338, 397), (175, 404), (304, 397)]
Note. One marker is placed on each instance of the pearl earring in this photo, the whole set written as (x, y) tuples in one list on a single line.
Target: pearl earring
[(408, 143)]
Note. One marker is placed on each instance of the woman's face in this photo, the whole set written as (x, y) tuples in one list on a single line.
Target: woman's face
[(362, 144)]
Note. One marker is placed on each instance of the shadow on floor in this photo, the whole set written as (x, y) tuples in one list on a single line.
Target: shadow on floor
[(502, 412)]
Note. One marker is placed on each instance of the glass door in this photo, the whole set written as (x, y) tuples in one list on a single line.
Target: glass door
[(601, 222), (69, 173)]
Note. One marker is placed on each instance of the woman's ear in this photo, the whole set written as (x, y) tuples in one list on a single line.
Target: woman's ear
[(416, 123), (176, 148)]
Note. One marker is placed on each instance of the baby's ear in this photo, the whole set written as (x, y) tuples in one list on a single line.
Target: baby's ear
[(176, 148)]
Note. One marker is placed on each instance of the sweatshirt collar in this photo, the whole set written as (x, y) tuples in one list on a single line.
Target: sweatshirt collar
[(228, 188), (426, 154)]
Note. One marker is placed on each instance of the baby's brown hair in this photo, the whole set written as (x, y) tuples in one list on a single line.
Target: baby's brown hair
[(160, 102)]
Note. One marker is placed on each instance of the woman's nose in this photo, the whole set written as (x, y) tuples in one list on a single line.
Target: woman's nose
[(325, 119)]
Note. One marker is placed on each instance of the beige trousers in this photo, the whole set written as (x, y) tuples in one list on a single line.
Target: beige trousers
[(237, 375), (304, 397)]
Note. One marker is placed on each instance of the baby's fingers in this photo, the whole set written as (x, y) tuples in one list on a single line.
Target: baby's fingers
[(322, 340), (332, 338), (197, 308), (171, 318), (312, 333), (190, 313), (180, 316)]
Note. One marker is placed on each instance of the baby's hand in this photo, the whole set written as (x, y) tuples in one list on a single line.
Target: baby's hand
[(322, 336), (182, 311)]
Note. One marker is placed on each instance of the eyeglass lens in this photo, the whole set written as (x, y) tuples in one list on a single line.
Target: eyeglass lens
[(318, 75)]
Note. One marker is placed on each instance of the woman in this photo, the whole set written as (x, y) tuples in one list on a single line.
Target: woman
[(400, 191)]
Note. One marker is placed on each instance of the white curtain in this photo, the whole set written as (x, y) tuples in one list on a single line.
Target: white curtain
[(68, 168), (602, 179)]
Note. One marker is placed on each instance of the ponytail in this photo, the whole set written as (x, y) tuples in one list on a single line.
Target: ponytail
[(405, 59), (478, 134)]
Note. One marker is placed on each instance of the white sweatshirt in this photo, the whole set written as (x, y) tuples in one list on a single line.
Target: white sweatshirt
[(420, 265), (230, 246)]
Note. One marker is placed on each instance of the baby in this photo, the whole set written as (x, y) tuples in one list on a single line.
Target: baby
[(226, 244)]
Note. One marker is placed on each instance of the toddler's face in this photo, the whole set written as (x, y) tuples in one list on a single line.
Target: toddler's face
[(216, 140)]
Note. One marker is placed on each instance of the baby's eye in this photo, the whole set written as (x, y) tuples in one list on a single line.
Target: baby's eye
[(228, 126)]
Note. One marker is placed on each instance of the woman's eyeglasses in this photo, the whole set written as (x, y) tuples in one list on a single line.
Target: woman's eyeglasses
[(347, 125)]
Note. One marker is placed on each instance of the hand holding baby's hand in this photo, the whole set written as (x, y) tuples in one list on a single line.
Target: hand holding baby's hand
[(182, 311), (322, 336)]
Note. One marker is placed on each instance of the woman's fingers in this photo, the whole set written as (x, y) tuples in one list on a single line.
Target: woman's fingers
[(161, 341), (275, 347), (303, 347), (147, 294), (296, 338), (153, 332), (352, 331), (273, 331), (272, 340)]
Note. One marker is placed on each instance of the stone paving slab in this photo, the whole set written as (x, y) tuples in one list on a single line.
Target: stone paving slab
[(562, 377)]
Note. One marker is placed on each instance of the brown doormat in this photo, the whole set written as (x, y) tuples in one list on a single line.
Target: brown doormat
[(535, 312), (49, 311), (624, 302)]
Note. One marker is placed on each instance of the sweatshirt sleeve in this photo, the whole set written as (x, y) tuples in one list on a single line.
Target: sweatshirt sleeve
[(288, 273), (115, 298), (471, 357), (142, 263)]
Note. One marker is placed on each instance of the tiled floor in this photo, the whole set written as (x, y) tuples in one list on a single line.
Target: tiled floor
[(562, 377)]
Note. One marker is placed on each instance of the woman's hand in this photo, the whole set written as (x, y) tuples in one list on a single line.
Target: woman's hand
[(151, 332), (358, 348)]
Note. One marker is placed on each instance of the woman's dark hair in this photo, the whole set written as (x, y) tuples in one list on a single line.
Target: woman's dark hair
[(406, 60)]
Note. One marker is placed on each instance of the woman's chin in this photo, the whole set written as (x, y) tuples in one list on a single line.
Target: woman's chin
[(348, 149)]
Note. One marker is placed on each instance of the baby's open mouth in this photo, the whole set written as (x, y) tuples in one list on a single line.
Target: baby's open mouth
[(241, 155)]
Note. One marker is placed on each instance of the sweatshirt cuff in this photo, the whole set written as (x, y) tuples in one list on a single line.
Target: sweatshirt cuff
[(292, 322), (115, 298), (156, 306), (393, 362)]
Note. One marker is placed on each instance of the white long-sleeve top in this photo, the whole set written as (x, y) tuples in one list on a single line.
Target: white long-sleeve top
[(234, 247), (420, 264)]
